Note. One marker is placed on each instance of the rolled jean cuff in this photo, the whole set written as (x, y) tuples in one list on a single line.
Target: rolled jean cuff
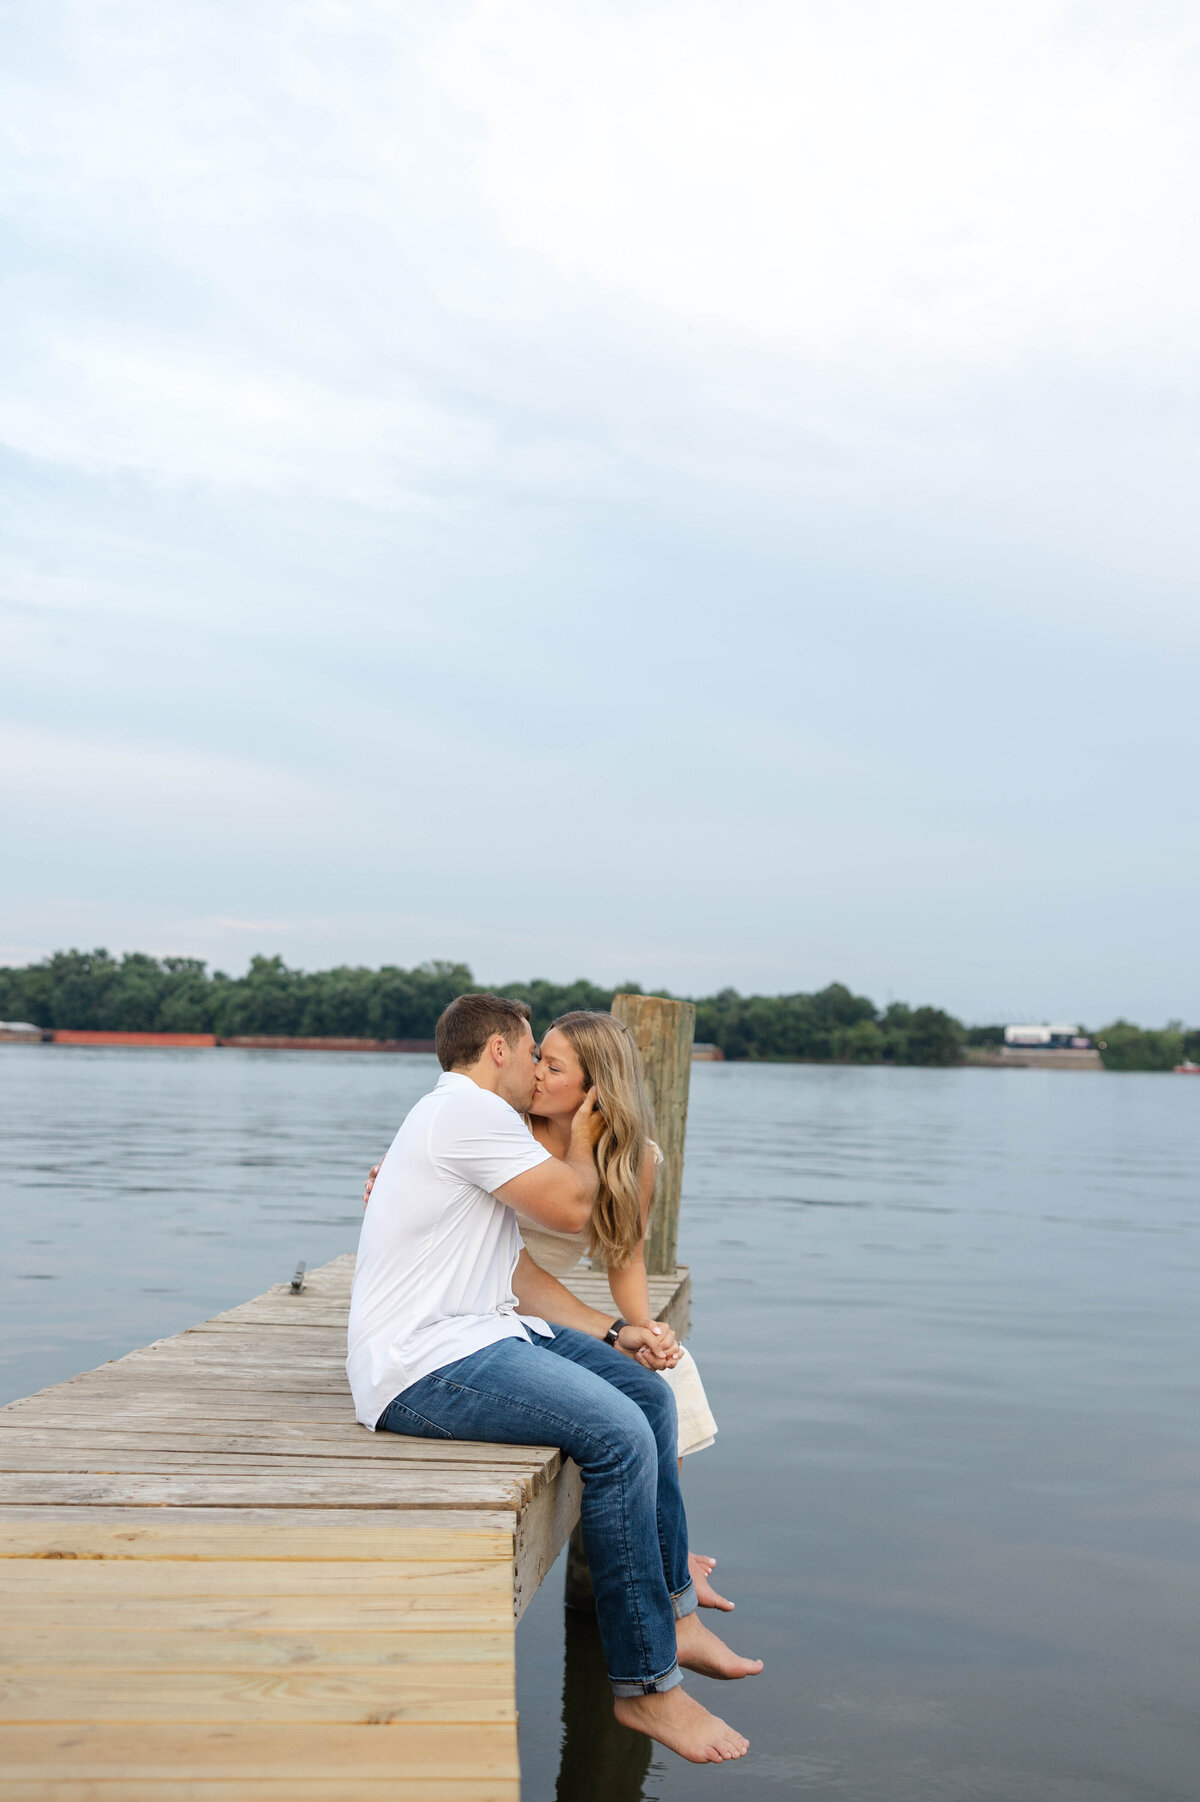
[(685, 1602), (653, 1686)]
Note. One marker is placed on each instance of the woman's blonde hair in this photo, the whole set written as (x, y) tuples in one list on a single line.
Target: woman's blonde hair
[(612, 1065)]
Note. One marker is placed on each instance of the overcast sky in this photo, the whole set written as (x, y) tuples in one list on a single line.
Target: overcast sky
[(695, 493)]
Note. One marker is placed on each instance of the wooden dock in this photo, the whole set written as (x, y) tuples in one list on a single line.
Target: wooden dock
[(215, 1585)]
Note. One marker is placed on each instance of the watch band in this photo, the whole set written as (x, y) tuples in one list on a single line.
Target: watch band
[(614, 1331)]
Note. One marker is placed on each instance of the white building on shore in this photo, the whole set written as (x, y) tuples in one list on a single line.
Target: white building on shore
[(1047, 1038)]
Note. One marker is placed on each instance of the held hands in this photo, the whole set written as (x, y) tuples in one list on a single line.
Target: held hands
[(653, 1345), (372, 1173)]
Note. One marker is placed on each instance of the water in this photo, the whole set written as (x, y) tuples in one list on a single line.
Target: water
[(946, 1319), (143, 1190)]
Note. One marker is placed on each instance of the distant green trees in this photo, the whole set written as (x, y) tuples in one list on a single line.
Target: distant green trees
[(1126, 1047), (985, 1038), (137, 993), (90, 989), (832, 1026)]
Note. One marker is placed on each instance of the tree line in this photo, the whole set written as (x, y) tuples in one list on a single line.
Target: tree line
[(139, 993)]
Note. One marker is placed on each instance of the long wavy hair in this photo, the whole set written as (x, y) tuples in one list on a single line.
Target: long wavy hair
[(612, 1065)]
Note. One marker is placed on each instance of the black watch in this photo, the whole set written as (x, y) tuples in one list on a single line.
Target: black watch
[(614, 1331)]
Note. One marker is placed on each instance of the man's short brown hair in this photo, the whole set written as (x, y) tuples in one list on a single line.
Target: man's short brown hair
[(470, 1021)]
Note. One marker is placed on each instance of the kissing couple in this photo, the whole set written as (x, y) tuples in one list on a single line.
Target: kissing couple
[(497, 1182)]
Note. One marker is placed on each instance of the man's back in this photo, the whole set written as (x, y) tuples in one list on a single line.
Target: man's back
[(433, 1281)]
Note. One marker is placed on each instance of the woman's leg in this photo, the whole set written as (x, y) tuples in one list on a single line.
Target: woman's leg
[(697, 1429)]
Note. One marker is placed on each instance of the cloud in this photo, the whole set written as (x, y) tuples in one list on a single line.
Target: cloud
[(381, 256), (951, 185), (702, 485)]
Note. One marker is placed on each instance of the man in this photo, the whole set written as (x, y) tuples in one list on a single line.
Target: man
[(438, 1350)]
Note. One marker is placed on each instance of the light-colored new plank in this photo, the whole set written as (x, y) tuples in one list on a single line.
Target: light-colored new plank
[(370, 1694), (256, 1533), (369, 1615), (148, 1752), (290, 1789), (51, 1579), (112, 1648)]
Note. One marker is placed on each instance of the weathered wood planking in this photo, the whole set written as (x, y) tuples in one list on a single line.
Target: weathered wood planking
[(214, 1583)]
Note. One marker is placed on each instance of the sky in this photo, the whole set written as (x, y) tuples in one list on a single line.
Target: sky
[(659, 490)]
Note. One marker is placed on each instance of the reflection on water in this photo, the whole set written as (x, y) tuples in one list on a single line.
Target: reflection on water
[(601, 1761), (947, 1320)]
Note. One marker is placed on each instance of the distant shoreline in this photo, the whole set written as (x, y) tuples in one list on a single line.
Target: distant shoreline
[(202, 1041), (1024, 1057), (975, 1057)]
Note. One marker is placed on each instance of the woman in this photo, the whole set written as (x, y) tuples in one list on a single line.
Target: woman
[(582, 1051)]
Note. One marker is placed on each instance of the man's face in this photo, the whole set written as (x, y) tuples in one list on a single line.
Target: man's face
[(519, 1074)]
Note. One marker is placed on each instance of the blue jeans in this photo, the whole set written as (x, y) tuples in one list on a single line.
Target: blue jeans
[(617, 1420)]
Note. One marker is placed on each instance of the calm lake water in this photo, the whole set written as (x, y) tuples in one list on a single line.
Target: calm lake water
[(948, 1323)]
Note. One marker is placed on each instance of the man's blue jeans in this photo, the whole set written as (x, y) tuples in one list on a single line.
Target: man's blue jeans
[(617, 1420)]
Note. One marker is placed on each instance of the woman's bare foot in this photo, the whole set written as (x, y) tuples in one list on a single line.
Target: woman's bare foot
[(700, 1650), (677, 1721), (701, 1569)]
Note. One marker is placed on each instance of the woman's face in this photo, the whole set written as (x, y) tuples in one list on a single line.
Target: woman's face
[(560, 1087)]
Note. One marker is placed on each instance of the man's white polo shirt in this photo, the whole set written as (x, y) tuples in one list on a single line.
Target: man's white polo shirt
[(433, 1280)]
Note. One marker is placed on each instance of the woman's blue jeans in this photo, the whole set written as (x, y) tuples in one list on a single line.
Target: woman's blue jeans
[(617, 1420)]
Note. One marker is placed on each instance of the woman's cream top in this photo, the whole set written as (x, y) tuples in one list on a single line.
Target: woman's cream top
[(559, 1252)]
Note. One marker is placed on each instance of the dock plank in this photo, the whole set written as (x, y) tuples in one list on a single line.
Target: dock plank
[(339, 1488), (251, 1752), (291, 1789), (64, 1579), (61, 1648), (17, 1443), (369, 1694), (256, 1533)]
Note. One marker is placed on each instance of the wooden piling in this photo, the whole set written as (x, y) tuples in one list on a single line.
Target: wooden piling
[(664, 1031)]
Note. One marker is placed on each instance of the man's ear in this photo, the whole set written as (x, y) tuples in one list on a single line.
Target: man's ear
[(499, 1048)]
